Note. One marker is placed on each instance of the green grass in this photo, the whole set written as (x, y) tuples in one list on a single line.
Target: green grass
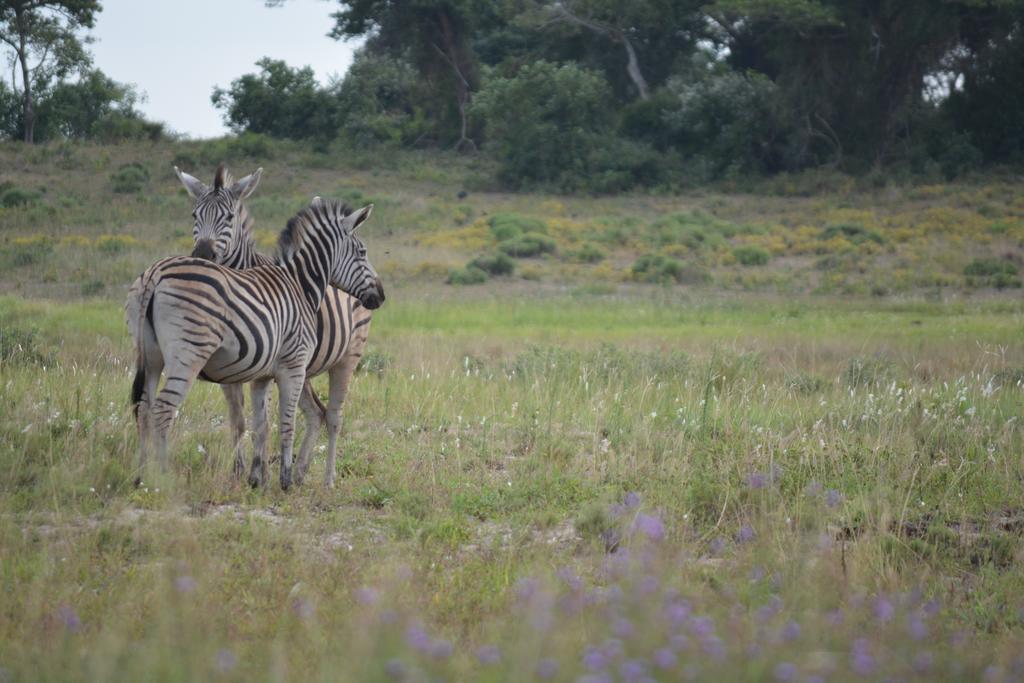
[(505, 451)]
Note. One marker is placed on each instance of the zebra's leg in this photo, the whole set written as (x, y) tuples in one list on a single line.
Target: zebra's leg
[(289, 386), (180, 377), (154, 365), (341, 375), (235, 396), (259, 473), (314, 411)]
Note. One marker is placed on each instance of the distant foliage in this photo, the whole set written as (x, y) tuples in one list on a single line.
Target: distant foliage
[(494, 264), (663, 269), (129, 178), (505, 226), (528, 244), (376, 102), (989, 272), (12, 197), (751, 256), (470, 275)]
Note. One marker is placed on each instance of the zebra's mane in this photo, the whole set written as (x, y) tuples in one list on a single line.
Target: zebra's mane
[(222, 178), (294, 234)]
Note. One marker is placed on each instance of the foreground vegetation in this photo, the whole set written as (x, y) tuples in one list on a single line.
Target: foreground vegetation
[(718, 490), (563, 473)]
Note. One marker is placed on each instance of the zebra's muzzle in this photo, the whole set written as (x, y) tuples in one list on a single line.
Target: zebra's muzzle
[(374, 299), (204, 249)]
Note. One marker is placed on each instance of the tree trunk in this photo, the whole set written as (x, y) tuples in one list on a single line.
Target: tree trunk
[(463, 92), (27, 111), (633, 69)]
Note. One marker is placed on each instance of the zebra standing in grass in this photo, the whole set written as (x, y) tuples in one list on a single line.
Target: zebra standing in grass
[(223, 233), (193, 318)]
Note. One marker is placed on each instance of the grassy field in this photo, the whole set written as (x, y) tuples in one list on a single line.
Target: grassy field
[(561, 474)]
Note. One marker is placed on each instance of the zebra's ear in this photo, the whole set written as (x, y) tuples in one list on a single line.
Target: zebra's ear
[(247, 185), (194, 186), (357, 218)]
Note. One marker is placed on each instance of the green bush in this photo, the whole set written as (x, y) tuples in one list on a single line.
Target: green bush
[(505, 226), (852, 232), (470, 275), (989, 267), (20, 345), (527, 245), (14, 197), (751, 256), (129, 178), (589, 253), (493, 264), (665, 269)]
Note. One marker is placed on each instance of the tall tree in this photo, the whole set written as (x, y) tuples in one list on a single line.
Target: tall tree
[(435, 36), (44, 37)]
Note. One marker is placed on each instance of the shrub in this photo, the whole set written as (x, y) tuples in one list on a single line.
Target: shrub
[(129, 178), (27, 251), (989, 267), (528, 244), (751, 256), (114, 244), (13, 197), (665, 269), (494, 264), (19, 345), (867, 371), (505, 226), (470, 275), (589, 253), (374, 362), (92, 287), (852, 232)]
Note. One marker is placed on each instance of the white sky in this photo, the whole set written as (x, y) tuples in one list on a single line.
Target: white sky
[(176, 51)]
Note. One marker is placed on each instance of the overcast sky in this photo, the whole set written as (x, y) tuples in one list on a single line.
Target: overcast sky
[(177, 51)]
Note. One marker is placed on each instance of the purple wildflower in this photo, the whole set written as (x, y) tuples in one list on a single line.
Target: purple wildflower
[(648, 585), (418, 639), (717, 546), (396, 669), (367, 596), (594, 659), (916, 627), (441, 649), (834, 617), (757, 480), (785, 672), (185, 584), (631, 500), (547, 669), (569, 577), (861, 660), (702, 626), (526, 588), (664, 658), (632, 670), (650, 526), (923, 662), (813, 489), (69, 618), (612, 649), (488, 654), (746, 534), (833, 498), (884, 610), (677, 612), (757, 573), (225, 661), (791, 631), (992, 673), (933, 607), (713, 647)]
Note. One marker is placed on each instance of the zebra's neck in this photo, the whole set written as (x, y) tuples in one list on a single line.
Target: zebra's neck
[(309, 264), (244, 254)]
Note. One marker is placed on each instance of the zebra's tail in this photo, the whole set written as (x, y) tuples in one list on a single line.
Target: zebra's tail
[(140, 296), (308, 388)]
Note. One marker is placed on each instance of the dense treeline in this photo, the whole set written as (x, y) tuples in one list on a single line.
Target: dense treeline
[(604, 95)]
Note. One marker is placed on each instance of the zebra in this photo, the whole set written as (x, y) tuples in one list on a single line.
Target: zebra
[(223, 233), (195, 318)]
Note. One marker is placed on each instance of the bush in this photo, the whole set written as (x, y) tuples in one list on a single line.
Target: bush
[(26, 251), (664, 269), (544, 123), (13, 197), (377, 102), (751, 256), (527, 245), (494, 264), (589, 253), (470, 275), (114, 244), (19, 345), (989, 267), (852, 232), (505, 226), (129, 178)]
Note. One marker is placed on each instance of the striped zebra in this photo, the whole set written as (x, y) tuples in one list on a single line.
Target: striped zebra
[(195, 318), (223, 233)]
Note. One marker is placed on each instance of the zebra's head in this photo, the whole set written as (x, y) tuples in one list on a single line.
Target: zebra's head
[(217, 212), (350, 270)]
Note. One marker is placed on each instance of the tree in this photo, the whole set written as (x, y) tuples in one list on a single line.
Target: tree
[(279, 101), (433, 34), (45, 32)]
